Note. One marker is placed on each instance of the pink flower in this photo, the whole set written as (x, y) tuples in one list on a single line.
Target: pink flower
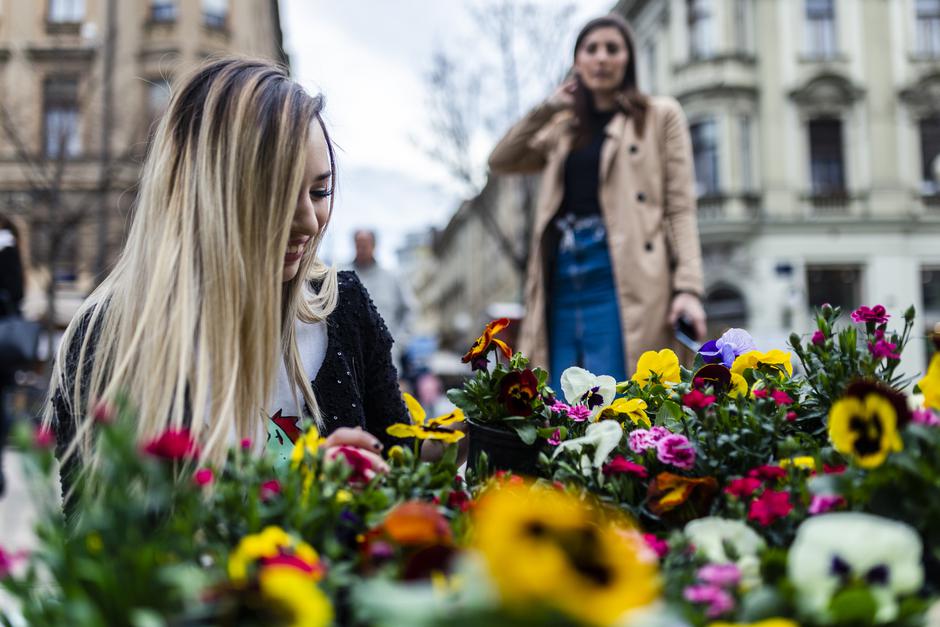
[(876, 314), (924, 416), (760, 393), (719, 601), (103, 413), (621, 465), (173, 444), (579, 413), (45, 437), (641, 440), (769, 507), (246, 444), (459, 500), (768, 473), (659, 547), (675, 449), (744, 487), (882, 349), (791, 416), (838, 469), (823, 503), (721, 575), (555, 440), (697, 400), (361, 465), (819, 338), (8, 561), (781, 398), (203, 476), (560, 408), (270, 489)]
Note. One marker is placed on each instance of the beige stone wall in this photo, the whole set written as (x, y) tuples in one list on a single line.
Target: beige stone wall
[(145, 52)]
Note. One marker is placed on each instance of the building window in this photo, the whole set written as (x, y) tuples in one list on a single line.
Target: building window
[(61, 118), (928, 28), (215, 13), (821, 29), (837, 285), (747, 154), (649, 55), (163, 11), (930, 282), (705, 152), (827, 168), (930, 155), (701, 29), (66, 11)]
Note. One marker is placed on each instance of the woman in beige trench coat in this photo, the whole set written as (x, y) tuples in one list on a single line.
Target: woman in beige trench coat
[(615, 219)]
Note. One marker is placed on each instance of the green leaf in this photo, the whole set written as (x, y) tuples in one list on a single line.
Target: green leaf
[(526, 432), (853, 606)]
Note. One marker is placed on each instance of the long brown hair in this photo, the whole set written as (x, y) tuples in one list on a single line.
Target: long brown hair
[(631, 101)]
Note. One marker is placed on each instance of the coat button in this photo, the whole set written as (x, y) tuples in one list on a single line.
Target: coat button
[(649, 247), (640, 196), (634, 149)]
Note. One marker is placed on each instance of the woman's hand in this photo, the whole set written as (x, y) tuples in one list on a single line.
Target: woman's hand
[(690, 307), (364, 442), (563, 98)]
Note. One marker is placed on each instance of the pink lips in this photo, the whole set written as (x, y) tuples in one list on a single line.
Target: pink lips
[(293, 257)]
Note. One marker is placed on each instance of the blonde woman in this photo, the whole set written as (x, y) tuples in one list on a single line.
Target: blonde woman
[(218, 316)]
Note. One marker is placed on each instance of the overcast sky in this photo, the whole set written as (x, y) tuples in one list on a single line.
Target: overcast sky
[(369, 57)]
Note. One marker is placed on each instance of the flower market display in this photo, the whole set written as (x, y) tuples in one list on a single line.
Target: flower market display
[(795, 486)]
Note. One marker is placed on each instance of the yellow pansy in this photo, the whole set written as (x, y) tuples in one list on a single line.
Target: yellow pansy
[(738, 386), (427, 429), (297, 600), (753, 359), (270, 543), (308, 443), (865, 429), (930, 384), (542, 546), (663, 364), (805, 461), (632, 408)]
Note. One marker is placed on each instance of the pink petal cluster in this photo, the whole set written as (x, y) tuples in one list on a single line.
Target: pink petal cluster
[(579, 413), (819, 338), (560, 408), (743, 487), (203, 476), (823, 503), (882, 349), (173, 444), (8, 561), (721, 575), (660, 547), (555, 439), (876, 314), (640, 440), (675, 449), (718, 600), (924, 416), (45, 437), (620, 465), (769, 507), (270, 489), (781, 398), (696, 399)]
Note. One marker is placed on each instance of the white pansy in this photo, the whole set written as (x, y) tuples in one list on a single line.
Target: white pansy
[(603, 435), (863, 543), (710, 534), (578, 383)]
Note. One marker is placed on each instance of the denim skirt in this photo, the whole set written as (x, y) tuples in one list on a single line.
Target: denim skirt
[(584, 316)]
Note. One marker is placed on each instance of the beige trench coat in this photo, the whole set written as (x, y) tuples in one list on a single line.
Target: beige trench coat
[(647, 198)]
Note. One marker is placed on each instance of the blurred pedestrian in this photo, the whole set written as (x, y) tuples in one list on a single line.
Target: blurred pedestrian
[(391, 295), (11, 295), (615, 258)]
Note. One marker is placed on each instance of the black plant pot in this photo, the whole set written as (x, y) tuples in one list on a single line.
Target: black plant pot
[(504, 450)]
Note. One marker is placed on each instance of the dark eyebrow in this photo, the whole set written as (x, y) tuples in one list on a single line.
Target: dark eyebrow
[(324, 176)]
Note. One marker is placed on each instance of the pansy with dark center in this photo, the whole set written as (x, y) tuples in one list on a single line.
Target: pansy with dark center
[(864, 425), (592, 399), (517, 390)]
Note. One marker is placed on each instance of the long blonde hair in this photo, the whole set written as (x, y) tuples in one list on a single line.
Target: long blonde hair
[(191, 323)]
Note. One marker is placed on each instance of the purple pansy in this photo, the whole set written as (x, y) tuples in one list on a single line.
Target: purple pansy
[(732, 343)]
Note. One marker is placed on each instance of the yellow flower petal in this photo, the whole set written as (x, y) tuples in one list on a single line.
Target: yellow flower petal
[(753, 359), (417, 412), (664, 364), (447, 419), (930, 384), (296, 596), (738, 386)]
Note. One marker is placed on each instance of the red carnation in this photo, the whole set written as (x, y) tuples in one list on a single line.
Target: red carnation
[(769, 507), (173, 444), (361, 465), (768, 473), (696, 399), (743, 488), (270, 489), (781, 398), (621, 465)]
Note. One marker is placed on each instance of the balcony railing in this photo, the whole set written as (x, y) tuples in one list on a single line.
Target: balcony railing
[(829, 204)]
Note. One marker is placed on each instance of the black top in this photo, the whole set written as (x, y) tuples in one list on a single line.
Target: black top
[(11, 281), (582, 172), (357, 385)]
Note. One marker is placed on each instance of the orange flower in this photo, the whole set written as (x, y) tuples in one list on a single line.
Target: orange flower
[(668, 491), (416, 523), (476, 356)]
